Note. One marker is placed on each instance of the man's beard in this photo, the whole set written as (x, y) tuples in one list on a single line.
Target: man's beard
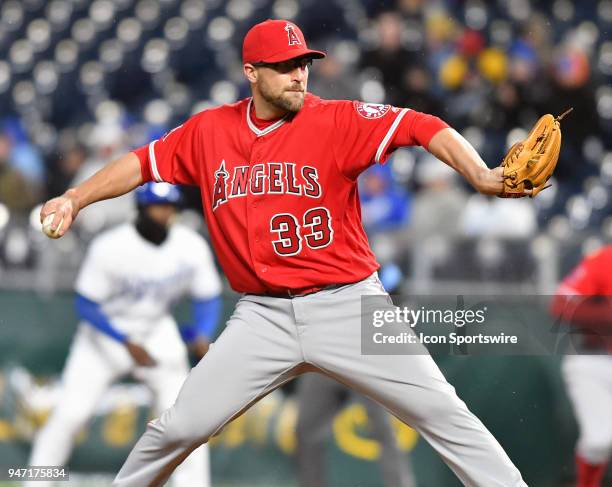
[(291, 104), (150, 229)]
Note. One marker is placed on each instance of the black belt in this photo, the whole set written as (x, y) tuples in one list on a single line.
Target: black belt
[(298, 293)]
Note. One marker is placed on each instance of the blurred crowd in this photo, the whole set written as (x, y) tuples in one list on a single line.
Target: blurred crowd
[(83, 81)]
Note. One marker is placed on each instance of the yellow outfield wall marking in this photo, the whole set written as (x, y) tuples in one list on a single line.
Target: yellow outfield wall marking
[(119, 427)]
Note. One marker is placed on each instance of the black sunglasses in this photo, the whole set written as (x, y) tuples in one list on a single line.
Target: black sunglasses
[(286, 66)]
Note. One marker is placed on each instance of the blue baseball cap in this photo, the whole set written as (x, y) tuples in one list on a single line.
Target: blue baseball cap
[(158, 194)]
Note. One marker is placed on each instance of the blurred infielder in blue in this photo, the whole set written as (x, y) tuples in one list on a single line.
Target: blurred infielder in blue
[(130, 278)]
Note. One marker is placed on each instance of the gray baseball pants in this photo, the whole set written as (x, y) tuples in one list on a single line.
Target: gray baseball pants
[(268, 341)]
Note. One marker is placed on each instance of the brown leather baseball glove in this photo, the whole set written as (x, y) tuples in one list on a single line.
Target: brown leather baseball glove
[(529, 163)]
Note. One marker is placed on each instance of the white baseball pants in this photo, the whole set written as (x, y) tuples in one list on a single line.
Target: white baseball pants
[(96, 361), (589, 385)]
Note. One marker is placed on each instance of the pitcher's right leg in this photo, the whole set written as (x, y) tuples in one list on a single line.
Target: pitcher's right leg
[(257, 352)]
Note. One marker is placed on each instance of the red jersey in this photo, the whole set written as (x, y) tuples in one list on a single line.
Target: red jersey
[(281, 203), (592, 277)]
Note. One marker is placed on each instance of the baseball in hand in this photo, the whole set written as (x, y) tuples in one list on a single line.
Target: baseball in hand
[(46, 226)]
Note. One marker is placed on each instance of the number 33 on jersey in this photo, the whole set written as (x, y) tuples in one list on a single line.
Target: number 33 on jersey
[(280, 199)]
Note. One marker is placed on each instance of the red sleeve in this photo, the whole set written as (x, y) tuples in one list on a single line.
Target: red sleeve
[(175, 157), (417, 128), (584, 279), (580, 299), (370, 132)]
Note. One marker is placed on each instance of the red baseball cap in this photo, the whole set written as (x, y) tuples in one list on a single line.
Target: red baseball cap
[(273, 41)]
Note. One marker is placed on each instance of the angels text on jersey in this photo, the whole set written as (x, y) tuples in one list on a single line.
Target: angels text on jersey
[(265, 178)]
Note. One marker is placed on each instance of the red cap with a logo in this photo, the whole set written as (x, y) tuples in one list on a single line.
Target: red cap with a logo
[(274, 41)]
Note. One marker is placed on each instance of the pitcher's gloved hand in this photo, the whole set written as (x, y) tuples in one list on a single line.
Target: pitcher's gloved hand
[(529, 163)]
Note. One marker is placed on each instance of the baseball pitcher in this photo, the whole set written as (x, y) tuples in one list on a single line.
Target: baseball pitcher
[(278, 177)]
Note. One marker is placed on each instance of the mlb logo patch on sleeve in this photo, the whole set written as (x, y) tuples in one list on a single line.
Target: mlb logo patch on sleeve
[(371, 110)]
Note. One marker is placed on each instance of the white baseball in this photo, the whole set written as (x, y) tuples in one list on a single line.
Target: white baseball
[(46, 226)]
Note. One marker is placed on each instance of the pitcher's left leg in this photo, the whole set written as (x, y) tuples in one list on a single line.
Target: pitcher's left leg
[(409, 386)]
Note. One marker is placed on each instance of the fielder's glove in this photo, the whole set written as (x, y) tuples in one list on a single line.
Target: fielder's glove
[(529, 163)]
